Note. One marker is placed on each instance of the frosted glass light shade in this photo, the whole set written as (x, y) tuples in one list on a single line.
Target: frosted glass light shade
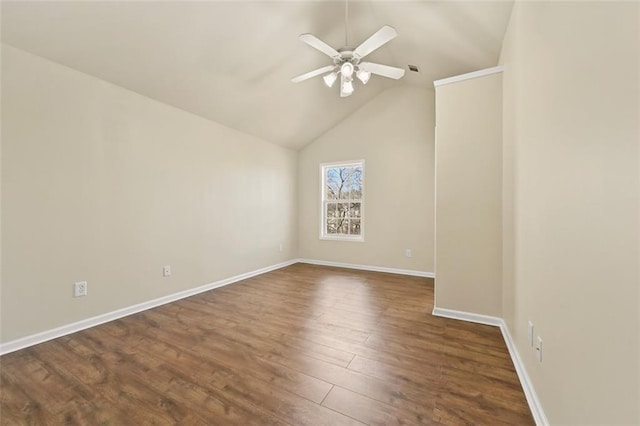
[(346, 88), (330, 78), (363, 76)]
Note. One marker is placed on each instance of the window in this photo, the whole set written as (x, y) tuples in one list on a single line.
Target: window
[(342, 201)]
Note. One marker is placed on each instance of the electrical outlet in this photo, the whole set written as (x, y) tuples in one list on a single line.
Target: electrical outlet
[(539, 349), (80, 289), (281, 247), (530, 335), (408, 253), (166, 271)]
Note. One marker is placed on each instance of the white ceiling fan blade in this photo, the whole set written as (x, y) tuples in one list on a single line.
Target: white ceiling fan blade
[(383, 70), (382, 36), (316, 43), (313, 73)]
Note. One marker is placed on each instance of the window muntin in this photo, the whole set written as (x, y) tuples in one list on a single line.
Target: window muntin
[(342, 201)]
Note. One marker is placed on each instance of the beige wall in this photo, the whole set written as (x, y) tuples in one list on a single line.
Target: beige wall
[(468, 195), (394, 135), (571, 139), (104, 185)]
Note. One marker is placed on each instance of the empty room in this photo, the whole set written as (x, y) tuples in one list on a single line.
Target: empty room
[(320, 212)]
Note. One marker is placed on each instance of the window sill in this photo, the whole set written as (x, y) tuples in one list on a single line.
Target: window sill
[(359, 239)]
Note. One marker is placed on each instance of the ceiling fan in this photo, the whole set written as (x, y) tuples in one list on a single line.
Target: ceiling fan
[(347, 61)]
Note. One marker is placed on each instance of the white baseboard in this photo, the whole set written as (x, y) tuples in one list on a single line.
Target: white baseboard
[(532, 398), (467, 316), (369, 268), (44, 336)]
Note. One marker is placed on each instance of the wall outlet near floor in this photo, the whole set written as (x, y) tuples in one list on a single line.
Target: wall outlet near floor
[(530, 334), (80, 289), (539, 349), (281, 247), (408, 253), (166, 271)]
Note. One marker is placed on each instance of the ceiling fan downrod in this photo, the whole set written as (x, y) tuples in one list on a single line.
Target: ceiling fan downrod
[(346, 23)]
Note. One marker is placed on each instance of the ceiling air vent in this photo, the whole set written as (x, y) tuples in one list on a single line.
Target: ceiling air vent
[(413, 68)]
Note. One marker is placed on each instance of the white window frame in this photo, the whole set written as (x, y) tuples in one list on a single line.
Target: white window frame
[(323, 202)]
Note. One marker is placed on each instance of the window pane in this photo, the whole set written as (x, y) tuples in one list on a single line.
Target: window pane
[(354, 210), (354, 227), (356, 192), (332, 210), (354, 182), (332, 181), (342, 183), (343, 210), (333, 225), (343, 227)]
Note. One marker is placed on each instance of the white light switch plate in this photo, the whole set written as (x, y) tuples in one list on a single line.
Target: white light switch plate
[(539, 349)]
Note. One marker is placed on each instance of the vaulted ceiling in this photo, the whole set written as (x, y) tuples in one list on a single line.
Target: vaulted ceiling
[(232, 61)]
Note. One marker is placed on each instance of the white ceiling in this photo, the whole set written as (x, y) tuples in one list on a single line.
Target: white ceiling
[(232, 61)]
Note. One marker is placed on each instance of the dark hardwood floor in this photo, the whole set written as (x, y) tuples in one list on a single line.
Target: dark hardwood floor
[(303, 345)]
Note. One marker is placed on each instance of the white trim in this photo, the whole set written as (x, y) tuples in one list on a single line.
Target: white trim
[(467, 316), (44, 336), (369, 268), (341, 237), (468, 76), (532, 398)]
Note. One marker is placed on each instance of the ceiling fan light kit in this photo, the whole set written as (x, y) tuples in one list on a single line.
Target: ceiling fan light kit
[(347, 61), (363, 76), (330, 78), (346, 88)]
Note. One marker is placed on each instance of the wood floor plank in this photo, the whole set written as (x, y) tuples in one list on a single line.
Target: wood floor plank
[(192, 382), (252, 339), (244, 361), (416, 401), (303, 345), (469, 385), (455, 409), (398, 344), (284, 321), (44, 384), (18, 407), (419, 377), (369, 411)]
